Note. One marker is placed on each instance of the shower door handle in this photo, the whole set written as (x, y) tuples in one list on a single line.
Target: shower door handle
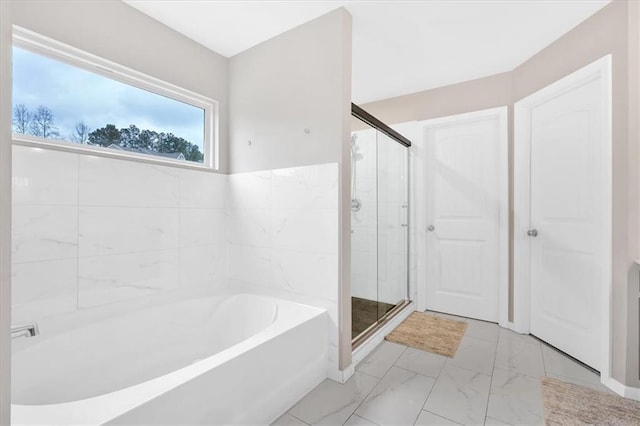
[(405, 214)]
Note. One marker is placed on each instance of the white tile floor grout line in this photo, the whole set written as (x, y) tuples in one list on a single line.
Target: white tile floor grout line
[(376, 385), (544, 363), (440, 415), (504, 341), (366, 374), (493, 370), (428, 395), (435, 379), (288, 413)]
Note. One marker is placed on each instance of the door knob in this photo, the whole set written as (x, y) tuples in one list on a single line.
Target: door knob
[(532, 232), (431, 228)]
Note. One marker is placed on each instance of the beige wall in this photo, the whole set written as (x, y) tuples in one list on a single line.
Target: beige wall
[(291, 98), (483, 93), (5, 210), (344, 295), (604, 33), (287, 96), (140, 43), (613, 30), (633, 297)]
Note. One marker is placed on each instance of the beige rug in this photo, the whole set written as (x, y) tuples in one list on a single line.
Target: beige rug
[(569, 404), (429, 333)]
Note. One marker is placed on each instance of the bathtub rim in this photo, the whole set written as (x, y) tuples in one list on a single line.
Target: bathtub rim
[(103, 408), (236, 318)]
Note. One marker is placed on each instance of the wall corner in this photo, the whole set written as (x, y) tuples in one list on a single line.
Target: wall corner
[(5, 210), (344, 288)]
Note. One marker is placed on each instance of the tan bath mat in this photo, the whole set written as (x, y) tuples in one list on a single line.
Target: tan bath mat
[(429, 333), (569, 404)]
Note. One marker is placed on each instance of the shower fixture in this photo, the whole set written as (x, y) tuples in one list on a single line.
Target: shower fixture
[(356, 204), (25, 330)]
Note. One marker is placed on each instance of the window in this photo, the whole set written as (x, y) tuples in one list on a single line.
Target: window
[(66, 98)]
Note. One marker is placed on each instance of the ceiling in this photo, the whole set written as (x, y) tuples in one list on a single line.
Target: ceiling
[(399, 47)]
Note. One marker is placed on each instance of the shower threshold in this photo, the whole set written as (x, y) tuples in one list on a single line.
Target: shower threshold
[(388, 316)]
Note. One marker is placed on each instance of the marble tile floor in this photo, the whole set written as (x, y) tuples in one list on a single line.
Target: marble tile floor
[(494, 379)]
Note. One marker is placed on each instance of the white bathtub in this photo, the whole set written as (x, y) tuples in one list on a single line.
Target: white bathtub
[(234, 359)]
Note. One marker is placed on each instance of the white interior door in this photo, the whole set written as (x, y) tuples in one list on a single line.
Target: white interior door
[(466, 168), (569, 214)]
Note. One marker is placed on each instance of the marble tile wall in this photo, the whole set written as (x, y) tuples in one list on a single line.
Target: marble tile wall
[(283, 236), (283, 229), (90, 230)]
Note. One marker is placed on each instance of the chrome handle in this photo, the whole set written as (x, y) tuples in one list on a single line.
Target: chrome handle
[(431, 228), (532, 232), (405, 214), (22, 333)]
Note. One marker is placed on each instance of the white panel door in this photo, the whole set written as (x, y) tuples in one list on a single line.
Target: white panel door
[(463, 175), (569, 218)]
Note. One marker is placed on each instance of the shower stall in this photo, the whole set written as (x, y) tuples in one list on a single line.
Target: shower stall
[(379, 223)]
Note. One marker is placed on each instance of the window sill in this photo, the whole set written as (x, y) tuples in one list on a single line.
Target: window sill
[(35, 142)]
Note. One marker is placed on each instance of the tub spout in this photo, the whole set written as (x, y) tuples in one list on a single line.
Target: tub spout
[(25, 330)]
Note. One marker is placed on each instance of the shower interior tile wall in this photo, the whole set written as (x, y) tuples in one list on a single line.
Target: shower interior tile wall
[(378, 257), (89, 231), (364, 225), (392, 217)]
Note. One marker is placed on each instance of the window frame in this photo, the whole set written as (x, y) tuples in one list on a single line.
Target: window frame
[(45, 46)]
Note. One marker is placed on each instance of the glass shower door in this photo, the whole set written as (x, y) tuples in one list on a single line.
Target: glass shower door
[(379, 227), (364, 229), (393, 223)]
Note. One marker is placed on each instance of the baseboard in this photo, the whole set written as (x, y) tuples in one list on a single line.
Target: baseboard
[(622, 390), (341, 376), (515, 327)]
